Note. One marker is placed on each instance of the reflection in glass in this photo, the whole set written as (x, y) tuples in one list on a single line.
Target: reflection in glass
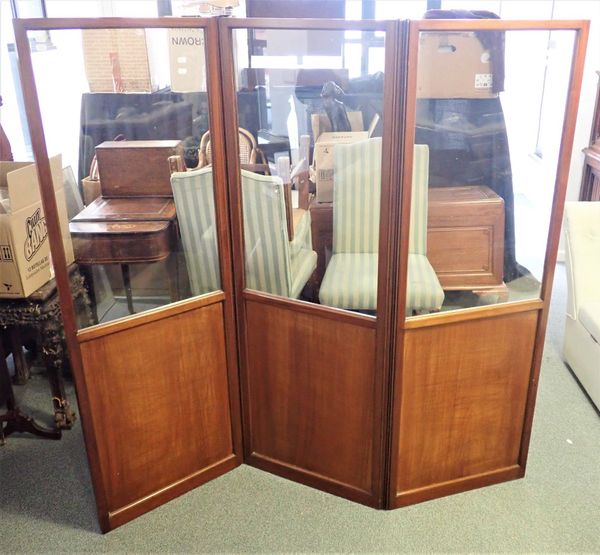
[(313, 102), (490, 111), (126, 109)]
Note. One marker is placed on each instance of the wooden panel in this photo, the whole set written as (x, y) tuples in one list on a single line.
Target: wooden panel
[(311, 394), (461, 250), (465, 236), (159, 396), (464, 391)]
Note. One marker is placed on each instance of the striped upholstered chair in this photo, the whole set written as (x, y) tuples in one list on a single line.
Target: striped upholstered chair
[(195, 204), (274, 264), (350, 280)]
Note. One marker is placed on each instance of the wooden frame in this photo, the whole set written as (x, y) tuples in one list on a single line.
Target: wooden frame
[(383, 321), (461, 317), (75, 339)]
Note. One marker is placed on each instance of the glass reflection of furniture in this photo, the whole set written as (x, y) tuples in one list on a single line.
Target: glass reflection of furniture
[(465, 237), (250, 154), (137, 117), (351, 276), (134, 220), (194, 200), (274, 263)]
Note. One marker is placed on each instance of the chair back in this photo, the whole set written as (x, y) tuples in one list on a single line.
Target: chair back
[(266, 241), (356, 196), (582, 233), (247, 143), (419, 201), (193, 193)]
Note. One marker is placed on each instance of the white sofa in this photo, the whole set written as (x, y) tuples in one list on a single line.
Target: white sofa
[(582, 331)]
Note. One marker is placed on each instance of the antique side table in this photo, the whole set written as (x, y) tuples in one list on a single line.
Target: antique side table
[(40, 314)]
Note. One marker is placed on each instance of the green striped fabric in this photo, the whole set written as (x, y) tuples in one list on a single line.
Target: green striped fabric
[(302, 236), (195, 204), (303, 265), (273, 264), (350, 279), (423, 291), (419, 201), (356, 197)]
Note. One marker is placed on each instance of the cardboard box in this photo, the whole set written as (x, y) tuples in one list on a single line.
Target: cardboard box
[(320, 123), (187, 60), (323, 160), (25, 263), (453, 65)]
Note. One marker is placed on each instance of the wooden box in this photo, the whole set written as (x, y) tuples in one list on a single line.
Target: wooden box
[(136, 168), (465, 236)]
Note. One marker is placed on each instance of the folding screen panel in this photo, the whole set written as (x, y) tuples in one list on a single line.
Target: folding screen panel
[(492, 106), (144, 275), (312, 247)]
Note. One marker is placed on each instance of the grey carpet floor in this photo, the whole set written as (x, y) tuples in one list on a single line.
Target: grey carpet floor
[(46, 501)]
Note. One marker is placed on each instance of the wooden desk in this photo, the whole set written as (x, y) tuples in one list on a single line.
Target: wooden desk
[(465, 237), (127, 231)]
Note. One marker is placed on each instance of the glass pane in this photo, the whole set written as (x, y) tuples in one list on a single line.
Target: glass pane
[(490, 110), (124, 112), (310, 124)]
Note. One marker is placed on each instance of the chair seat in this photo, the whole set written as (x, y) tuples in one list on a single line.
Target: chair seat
[(423, 291), (351, 282), (589, 316)]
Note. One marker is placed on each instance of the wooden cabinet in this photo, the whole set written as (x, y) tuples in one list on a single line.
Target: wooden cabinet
[(372, 405), (590, 183), (465, 236)]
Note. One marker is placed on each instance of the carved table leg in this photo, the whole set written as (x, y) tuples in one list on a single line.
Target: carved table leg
[(87, 272), (54, 358), (64, 415), (15, 420)]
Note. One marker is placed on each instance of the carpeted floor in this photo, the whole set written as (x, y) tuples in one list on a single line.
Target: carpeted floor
[(46, 502)]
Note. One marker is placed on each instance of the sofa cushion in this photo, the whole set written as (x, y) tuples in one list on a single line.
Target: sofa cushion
[(589, 316)]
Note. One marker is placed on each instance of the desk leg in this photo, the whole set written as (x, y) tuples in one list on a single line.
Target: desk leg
[(127, 284), (87, 272), (173, 276)]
